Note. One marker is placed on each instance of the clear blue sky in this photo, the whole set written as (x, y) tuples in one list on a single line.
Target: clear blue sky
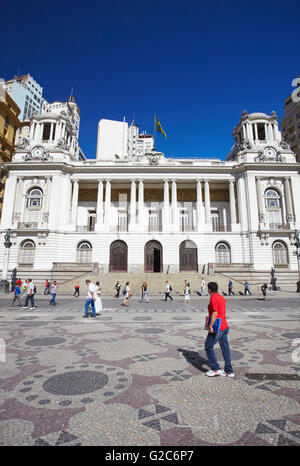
[(196, 64)]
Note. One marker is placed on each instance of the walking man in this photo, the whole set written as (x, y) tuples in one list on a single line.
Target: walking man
[(17, 293), (117, 287), (264, 288), (76, 292), (217, 310), (29, 294), (53, 289), (91, 298), (230, 292), (47, 287), (247, 289), (203, 287), (167, 291)]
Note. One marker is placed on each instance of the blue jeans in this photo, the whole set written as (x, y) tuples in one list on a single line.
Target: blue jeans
[(211, 340), (31, 298), (87, 303), (53, 298)]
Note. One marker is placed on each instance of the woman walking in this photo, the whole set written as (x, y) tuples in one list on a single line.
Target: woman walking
[(187, 291), (145, 293), (127, 294), (98, 301)]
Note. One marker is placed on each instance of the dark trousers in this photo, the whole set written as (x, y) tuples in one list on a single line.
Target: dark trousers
[(118, 293), (31, 298), (167, 295), (76, 292), (230, 292)]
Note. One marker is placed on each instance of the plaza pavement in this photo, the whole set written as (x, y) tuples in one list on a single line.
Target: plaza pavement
[(136, 376)]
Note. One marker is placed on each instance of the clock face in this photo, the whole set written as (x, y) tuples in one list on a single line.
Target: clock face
[(269, 152), (37, 151)]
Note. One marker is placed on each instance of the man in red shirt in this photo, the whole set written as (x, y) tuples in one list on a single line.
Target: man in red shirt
[(217, 310)]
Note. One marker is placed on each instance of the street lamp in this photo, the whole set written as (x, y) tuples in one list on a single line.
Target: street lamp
[(297, 253), (4, 285)]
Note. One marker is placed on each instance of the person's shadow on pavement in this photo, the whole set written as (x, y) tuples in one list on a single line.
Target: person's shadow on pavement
[(193, 358)]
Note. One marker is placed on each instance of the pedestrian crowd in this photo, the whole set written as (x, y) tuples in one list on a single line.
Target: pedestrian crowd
[(94, 303)]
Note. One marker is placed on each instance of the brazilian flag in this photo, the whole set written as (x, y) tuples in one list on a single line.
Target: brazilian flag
[(158, 127)]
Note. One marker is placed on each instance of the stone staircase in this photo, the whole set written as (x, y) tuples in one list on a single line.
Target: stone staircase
[(155, 281), (66, 277)]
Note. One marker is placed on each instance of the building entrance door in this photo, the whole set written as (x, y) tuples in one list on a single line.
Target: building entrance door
[(118, 257), (153, 257), (188, 257)]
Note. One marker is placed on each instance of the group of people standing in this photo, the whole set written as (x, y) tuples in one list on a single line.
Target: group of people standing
[(26, 287)]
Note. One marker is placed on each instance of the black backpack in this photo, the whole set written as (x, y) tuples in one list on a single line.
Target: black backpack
[(34, 289), (170, 288)]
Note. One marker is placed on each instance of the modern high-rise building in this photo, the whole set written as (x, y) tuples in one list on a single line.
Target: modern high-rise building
[(27, 94), (290, 125)]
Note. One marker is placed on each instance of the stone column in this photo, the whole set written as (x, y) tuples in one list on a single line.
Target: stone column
[(99, 208), (255, 132), (46, 205), (207, 202), (141, 204), (132, 209), (166, 222), (288, 201), (175, 216), (75, 201), (199, 208), (107, 206), (260, 202), (232, 203)]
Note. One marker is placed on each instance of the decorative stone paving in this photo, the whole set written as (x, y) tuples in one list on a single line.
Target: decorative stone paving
[(136, 376)]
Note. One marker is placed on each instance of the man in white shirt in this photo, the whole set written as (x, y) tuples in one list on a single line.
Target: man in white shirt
[(29, 294), (91, 298)]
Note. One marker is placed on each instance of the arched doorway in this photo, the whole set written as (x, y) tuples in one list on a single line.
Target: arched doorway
[(188, 261), (153, 257), (118, 256)]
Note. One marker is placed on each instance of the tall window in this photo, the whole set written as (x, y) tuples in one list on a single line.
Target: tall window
[(222, 253), (84, 252), (153, 220), (34, 198), (34, 202), (26, 252), (122, 220), (273, 208), (280, 254)]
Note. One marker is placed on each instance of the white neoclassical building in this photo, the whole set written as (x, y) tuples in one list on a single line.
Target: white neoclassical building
[(142, 212)]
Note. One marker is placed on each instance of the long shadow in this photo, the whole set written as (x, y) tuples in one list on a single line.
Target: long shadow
[(193, 358)]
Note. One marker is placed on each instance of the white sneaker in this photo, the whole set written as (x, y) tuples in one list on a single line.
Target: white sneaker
[(33, 307), (25, 307), (227, 374), (212, 373)]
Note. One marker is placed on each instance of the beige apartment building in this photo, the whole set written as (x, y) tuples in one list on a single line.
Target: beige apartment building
[(290, 125)]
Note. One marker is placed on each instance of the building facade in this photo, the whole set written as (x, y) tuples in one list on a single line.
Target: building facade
[(152, 213), (9, 123), (27, 94), (290, 125)]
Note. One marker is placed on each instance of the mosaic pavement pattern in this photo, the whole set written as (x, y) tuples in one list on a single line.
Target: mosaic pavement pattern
[(136, 376)]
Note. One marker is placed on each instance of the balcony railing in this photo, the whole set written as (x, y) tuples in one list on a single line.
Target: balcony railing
[(279, 226), (27, 225)]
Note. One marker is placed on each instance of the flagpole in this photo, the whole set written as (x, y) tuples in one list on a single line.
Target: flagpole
[(154, 131)]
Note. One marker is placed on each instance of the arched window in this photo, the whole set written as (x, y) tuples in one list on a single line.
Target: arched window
[(280, 254), (34, 198), (222, 253), (26, 252), (84, 252), (273, 208)]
